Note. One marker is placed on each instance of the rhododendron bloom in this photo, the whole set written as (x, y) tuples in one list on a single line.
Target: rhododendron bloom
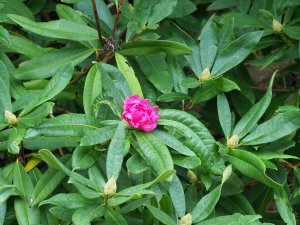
[(139, 113)]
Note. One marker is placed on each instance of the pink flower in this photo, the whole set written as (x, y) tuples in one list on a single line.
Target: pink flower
[(139, 113)]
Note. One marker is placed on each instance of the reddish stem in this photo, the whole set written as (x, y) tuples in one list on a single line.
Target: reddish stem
[(101, 39), (117, 18)]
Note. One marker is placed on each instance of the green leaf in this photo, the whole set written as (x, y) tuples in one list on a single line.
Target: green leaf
[(283, 206), (61, 29), (86, 214), (4, 36), (26, 215), (129, 75), (279, 126), (208, 44), (208, 90), (46, 65), (183, 8), (64, 125), (36, 116), (159, 9), (250, 119), (83, 157), (59, 81), (15, 7), (173, 142), (145, 47), (68, 13), (292, 31), (173, 96), (198, 138), (161, 216), (97, 136), (68, 200), (235, 52), (114, 217), (242, 19), (189, 82), (5, 100), (224, 115), (177, 196), (22, 182), (208, 202), (153, 150), (92, 88), (15, 139), (3, 207), (115, 152), (25, 46), (186, 162), (48, 182), (235, 219), (136, 164), (250, 165), (155, 68), (140, 187)]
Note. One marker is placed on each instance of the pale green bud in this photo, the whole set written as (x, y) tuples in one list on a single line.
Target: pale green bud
[(192, 177), (205, 75), (277, 26), (10, 118), (233, 142), (110, 188), (186, 220)]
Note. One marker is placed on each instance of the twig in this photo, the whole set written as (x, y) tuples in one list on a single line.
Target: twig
[(117, 18), (83, 74), (101, 39), (275, 90)]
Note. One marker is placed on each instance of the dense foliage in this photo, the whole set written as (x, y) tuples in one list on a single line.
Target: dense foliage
[(221, 147)]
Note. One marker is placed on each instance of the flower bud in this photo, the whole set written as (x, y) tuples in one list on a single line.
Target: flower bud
[(205, 75), (192, 177), (110, 188), (233, 142), (10, 118), (186, 220), (277, 26)]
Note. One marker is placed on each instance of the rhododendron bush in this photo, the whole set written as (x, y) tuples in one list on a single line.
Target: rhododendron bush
[(149, 112)]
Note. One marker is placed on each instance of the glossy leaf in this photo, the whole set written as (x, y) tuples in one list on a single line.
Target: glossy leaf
[(279, 126), (92, 88), (154, 152), (284, 208), (198, 137), (114, 217), (46, 65), (5, 100), (115, 152), (161, 216), (208, 44), (250, 119), (173, 96), (61, 29), (49, 181), (86, 214), (177, 196), (224, 115), (235, 52), (235, 219), (138, 48), (83, 157), (129, 75), (174, 143), (250, 165), (97, 136), (155, 68)]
